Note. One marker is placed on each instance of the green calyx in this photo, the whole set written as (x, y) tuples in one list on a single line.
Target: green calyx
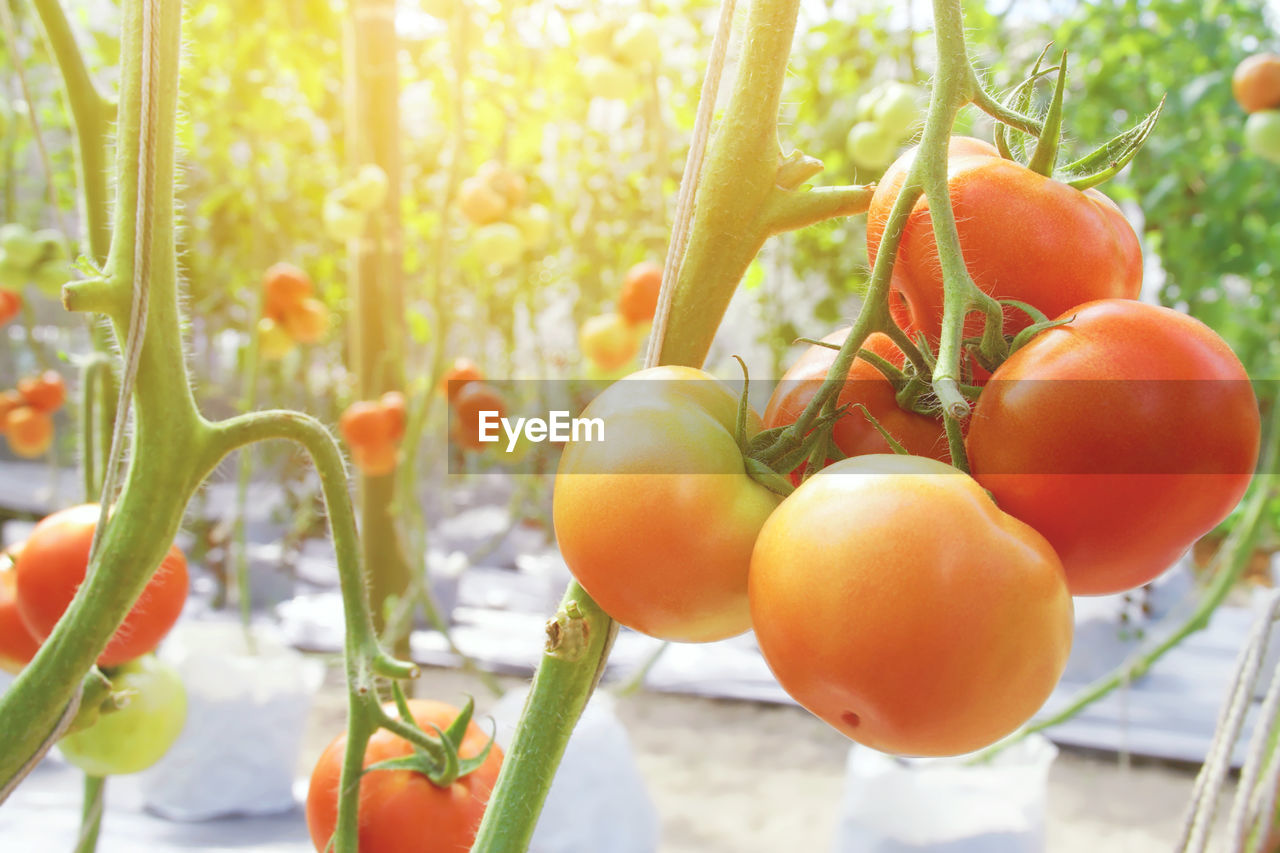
[(437, 757)]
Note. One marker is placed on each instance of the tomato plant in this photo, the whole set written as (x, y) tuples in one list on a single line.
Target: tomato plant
[(1122, 436), (52, 566), (132, 738), (916, 637), (854, 434), (657, 520), (403, 811)]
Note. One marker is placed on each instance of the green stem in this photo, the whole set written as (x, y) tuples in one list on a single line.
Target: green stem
[(92, 114), (91, 813)]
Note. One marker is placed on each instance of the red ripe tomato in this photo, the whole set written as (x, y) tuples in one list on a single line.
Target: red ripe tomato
[(638, 301), (1024, 236), (402, 811), (474, 399), (657, 520), (10, 304), (29, 431), (1122, 436), (854, 434), (1256, 83), (464, 370), (307, 321), (365, 423), (52, 566), (894, 600), (44, 393), (286, 286), (17, 646)]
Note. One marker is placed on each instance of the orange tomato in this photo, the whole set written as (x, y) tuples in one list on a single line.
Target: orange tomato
[(17, 645), (464, 370), (10, 304), (9, 401), (365, 423), (286, 285), (377, 459), (608, 340), (402, 811), (29, 431), (52, 566), (638, 301), (480, 203), (894, 600), (307, 322), (1256, 83), (475, 398), (45, 393)]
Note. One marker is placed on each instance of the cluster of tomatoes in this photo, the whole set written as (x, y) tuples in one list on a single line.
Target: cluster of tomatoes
[(493, 200), (373, 430), (347, 208), (886, 116), (610, 341), (1256, 86), (914, 607), (38, 257), (468, 394), (38, 579), (26, 414), (292, 314)]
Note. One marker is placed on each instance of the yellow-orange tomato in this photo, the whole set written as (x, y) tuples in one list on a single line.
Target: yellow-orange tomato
[(393, 407), (475, 399), (364, 423), (9, 400), (608, 340), (1256, 83), (894, 600), (45, 393), (286, 286), (307, 321), (638, 300), (657, 520), (377, 459), (29, 431), (402, 811), (10, 304), (480, 203), (464, 370)]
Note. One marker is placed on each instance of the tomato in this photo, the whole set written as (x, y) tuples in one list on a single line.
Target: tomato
[(17, 645), (50, 276), (10, 305), (657, 520), (638, 301), (895, 601), (504, 182), (377, 459), (368, 189), (474, 399), (393, 406), (534, 223), (52, 567), (365, 423), (132, 738), (854, 434), (480, 203), (1256, 82), (898, 109), (307, 322), (464, 370), (1122, 436), (402, 811), (608, 340), (1024, 236), (29, 431), (1262, 134), (44, 393), (498, 243), (286, 286), (870, 145), (273, 341), (20, 246), (9, 401)]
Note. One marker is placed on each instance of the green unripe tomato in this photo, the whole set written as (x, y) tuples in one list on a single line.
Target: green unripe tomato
[(899, 109), (1262, 134), (20, 246), (499, 243), (607, 79), (138, 735), (870, 147), (368, 189), (342, 222), (49, 276), (53, 245), (12, 276), (534, 223)]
